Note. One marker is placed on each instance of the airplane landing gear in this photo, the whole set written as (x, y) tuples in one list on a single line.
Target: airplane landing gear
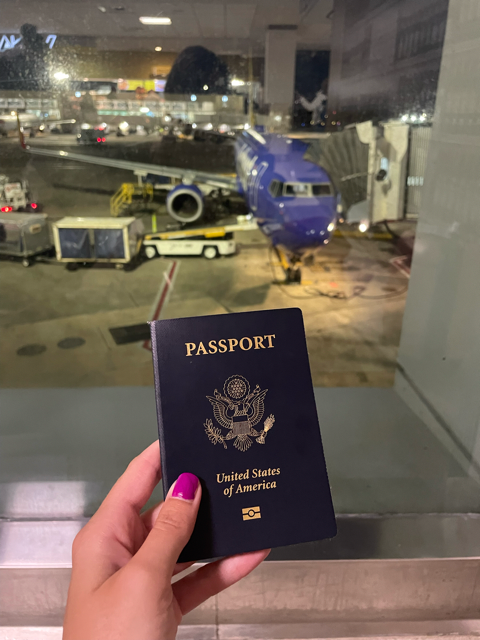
[(293, 274)]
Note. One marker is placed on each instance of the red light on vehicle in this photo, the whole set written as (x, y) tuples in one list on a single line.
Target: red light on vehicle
[(99, 139), (34, 205), (7, 209), (103, 139)]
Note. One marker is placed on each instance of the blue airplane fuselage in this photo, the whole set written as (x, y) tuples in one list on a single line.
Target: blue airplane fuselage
[(292, 199)]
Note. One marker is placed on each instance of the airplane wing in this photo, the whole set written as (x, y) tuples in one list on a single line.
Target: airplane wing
[(187, 176)]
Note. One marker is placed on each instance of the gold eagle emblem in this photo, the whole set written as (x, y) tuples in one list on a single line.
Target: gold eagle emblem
[(238, 410)]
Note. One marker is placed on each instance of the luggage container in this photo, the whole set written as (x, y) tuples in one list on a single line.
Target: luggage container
[(79, 240), (24, 235)]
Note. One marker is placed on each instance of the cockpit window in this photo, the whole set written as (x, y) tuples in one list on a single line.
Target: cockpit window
[(322, 189), (297, 189), (302, 189), (276, 188)]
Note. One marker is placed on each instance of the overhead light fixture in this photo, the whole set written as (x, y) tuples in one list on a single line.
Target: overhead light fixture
[(158, 48), (154, 20), (237, 83), (205, 87), (102, 9), (60, 75)]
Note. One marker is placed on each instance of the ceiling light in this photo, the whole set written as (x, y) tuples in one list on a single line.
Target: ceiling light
[(237, 83), (205, 87), (158, 48), (154, 20), (60, 75), (102, 9)]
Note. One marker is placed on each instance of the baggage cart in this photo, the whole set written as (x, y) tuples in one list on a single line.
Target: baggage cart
[(24, 235), (80, 240)]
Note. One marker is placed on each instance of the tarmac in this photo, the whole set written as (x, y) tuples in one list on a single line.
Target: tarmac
[(352, 296)]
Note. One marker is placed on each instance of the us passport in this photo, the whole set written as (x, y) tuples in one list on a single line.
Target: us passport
[(235, 407)]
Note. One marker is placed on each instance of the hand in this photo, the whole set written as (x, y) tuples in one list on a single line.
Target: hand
[(123, 561)]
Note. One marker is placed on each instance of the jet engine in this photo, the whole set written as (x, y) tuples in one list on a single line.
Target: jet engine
[(185, 203)]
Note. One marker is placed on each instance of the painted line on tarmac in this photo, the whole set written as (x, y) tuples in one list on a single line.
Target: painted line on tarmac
[(343, 233), (163, 295), (402, 263)]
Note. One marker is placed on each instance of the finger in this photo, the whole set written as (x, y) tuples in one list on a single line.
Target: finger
[(149, 516), (173, 527), (136, 484), (148, 519), (213, 578), (115, 532)]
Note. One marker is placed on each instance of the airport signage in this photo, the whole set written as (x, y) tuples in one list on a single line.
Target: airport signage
[(7, 43)]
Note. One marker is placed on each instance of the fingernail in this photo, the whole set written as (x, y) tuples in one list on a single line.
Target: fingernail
[(185, 486)]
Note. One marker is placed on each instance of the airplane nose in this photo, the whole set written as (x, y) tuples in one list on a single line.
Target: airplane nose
[(311, 230)]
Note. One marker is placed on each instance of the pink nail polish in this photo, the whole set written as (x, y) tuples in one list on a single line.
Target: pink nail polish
[(185, 486)]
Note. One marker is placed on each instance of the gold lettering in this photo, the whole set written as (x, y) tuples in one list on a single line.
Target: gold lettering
[(232, 343), (278, 471), (250, 344), (273, 485), (258, 342), (220, 477), (201, 349), (246, 475), (270, 338), (222, 344), (190, 347), (254, 473), (212, 346)]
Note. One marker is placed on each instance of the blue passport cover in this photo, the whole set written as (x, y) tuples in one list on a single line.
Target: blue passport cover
[(235, 406)]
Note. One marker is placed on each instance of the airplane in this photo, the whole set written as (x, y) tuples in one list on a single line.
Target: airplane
[(27, 121), (293, 200), (9, 122)]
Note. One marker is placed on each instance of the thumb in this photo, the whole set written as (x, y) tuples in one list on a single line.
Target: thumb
[(173, 526)]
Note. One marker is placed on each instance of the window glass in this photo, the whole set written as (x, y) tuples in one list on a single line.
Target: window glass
[(296, 189), (276, 188), (226, 157), (324, 189)]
